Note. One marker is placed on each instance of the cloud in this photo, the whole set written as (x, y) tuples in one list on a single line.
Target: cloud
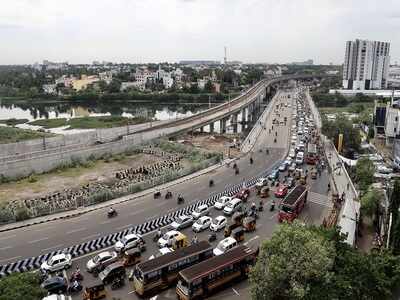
[(159, 30)]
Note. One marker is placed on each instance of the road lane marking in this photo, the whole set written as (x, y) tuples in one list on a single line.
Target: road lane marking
[(131, 292), (54, 247), (106, 222), (137, 212), (90, 236), (236, 292), (39, 240), (11, 258), (76, 230), (252, 239), (7, 237), (125, 226), (273, 216), (5, 248)]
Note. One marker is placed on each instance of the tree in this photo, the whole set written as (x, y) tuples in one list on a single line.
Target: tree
[(289, 262), (365, 170), (21, 286), (209, 87), (394, 205), (370, 203)]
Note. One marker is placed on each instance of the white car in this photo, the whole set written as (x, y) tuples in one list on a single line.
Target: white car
[(233, 206), (381, 168), (218, 223), (101, 260), (201, 224), (55, 297), (262, 182), (200, 211), (225, 245), (221, 202), (167, 238), (127, 242), (57, 262), (182, 222), (166, 250)]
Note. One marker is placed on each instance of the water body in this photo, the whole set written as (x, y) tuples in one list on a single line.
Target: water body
[(35, 111)]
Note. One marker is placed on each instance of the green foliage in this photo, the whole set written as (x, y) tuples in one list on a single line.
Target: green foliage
[(13, 121), (394, 206), (365, 170), (288, 268), (332, 129), (370, 202), (6, 215), (209, 87), (32, 178), (21, 214), (24, 286), (292, 260), (14, 135)]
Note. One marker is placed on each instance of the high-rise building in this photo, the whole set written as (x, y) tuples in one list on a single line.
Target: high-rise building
[(366, 65)]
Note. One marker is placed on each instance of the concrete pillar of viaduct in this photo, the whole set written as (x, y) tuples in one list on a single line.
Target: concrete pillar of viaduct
[(234, 122), (222, 126), (212, 127)]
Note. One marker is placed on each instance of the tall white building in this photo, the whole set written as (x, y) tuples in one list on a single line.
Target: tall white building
[(366, 65)]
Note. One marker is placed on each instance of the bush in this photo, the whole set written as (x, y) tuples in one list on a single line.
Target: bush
[(32, 178), (21, 214)]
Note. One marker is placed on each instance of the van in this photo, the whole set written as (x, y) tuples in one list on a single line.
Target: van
[(300, 158), (233, 206), (225, 245)]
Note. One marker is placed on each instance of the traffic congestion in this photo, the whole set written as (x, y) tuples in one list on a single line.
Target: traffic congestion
[(200, 253)]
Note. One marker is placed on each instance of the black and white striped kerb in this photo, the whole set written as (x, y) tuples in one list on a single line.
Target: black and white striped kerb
[(107, 241)]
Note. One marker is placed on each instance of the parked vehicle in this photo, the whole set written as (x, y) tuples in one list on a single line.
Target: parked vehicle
[(293, 204)]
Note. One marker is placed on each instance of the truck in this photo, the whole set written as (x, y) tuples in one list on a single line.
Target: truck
[(293, 204)]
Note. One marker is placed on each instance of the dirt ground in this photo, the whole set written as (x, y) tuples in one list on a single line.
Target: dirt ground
[(218, 143), (72, 178)]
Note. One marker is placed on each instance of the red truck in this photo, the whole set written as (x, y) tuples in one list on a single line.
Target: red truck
[(293, 204)]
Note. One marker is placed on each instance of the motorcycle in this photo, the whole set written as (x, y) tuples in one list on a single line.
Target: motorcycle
[(211, 183), (76, 276), (168, 195), (117, 283), (157, 236), (260, 207), (251, 160), (72, 289), (236, 171), (112, 213), (274, 140), (157, 195), (180, 200), (272, 208), (212, 237)]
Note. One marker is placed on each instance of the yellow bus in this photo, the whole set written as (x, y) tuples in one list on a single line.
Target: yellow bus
[(205, 278), (161, 272)]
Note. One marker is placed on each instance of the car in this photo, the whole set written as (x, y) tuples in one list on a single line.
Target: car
[(221, 202), (233, 206), (300, 158), (218, 223), (55, 285), (225, 245), (292, 153), (290, 182), (243, 194), (261, 182), (283, 166), (200, 211), (201, 224), (281, 191), (274, 174), (182, 222), (101, 260), (292, 167), (288, 161), (167, 238), (57, 262), (55, 297), (165, 250), (381, 168), (129, 241)]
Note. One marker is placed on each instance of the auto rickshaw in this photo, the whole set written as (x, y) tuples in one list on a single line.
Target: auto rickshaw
[(180, 241), (303, 179), (94, 291), (131, 257), (264, 192), (249, 224), (237, 218), (238, 234), (298, 173), (229, 227)]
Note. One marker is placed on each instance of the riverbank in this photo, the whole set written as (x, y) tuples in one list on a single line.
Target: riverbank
[(14, 135), (89, 122)]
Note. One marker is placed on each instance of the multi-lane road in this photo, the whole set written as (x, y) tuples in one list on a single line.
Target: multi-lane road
[(46, 237)]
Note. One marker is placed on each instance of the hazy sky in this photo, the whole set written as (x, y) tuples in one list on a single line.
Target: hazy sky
[(80, 31)]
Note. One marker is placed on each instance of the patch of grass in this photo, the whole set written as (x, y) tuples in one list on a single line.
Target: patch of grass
[(13, 121), (14, 135), (90, 122)]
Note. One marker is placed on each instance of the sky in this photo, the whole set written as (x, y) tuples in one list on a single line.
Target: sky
[(140, 31)]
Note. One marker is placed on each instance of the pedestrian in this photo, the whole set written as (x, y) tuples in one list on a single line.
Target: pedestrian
[(329, 186), (348, 185)]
